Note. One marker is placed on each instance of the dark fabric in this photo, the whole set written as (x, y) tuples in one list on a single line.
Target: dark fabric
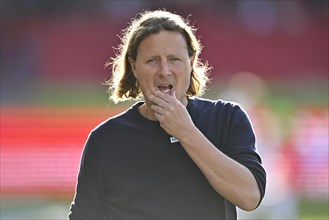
[(131, 170)]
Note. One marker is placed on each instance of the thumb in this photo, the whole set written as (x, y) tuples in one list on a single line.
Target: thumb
[(173, 94)]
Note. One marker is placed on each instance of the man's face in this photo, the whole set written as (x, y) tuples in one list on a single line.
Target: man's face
[(162, 63)]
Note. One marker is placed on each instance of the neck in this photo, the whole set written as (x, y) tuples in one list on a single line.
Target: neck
[(147, 112)]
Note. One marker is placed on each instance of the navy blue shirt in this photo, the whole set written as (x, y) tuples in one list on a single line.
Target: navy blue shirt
[(131, 170)]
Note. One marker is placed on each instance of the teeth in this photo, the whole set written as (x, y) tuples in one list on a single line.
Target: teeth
[(165, 89)]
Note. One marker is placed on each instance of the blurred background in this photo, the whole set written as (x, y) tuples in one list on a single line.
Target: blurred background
[(271, 56)]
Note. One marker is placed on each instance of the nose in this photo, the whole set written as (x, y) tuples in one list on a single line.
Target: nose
[(165, 68)]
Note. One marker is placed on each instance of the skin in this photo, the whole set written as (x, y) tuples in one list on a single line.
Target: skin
[(163, 59)]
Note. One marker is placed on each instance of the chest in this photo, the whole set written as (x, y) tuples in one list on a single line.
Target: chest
[(146, 159)]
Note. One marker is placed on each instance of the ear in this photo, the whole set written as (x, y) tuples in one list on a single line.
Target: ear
[(192, 59), (132, 65)]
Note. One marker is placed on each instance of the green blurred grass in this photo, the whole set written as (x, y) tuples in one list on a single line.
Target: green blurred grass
[(313, 209), (281, 95)]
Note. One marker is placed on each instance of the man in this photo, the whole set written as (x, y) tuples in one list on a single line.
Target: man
[(173, 155)]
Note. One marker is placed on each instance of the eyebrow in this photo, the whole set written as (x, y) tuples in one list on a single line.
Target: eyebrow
[(157, 56)]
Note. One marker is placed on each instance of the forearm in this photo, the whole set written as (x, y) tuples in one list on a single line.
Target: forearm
[(229, 178)]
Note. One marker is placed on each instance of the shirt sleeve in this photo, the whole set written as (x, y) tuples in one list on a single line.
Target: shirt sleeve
[(88, 201), (240, 145)]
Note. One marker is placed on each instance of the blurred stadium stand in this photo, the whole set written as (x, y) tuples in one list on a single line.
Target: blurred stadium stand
[(65, 40)]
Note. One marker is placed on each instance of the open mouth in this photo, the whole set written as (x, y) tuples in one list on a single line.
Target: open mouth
[(167, 89)]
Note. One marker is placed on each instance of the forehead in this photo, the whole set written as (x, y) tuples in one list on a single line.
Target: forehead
[(164, 42)]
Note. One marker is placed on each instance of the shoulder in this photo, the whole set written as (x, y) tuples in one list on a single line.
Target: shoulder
[(219, 106), (217, 112), (113, 124)]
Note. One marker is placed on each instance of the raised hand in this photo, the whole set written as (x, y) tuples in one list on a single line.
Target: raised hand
[(171, 113)]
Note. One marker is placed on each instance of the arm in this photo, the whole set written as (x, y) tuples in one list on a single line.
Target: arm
[(229, 178), (88, 200)]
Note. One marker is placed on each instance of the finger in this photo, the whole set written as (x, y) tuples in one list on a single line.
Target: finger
[(164, 96), (173, 94), (157, 109), (159, 117), (158, 100)]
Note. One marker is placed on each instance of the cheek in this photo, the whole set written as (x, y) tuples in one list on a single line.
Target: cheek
[(188, 82), (184, 83), (188, 77), (146, 83)]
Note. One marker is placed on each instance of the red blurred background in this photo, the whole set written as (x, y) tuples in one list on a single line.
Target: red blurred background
[(52, 67)]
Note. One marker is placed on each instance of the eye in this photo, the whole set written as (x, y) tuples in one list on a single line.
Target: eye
[(152, 60), (174, 59)]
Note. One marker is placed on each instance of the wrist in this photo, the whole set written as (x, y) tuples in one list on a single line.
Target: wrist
[(189, 135)]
